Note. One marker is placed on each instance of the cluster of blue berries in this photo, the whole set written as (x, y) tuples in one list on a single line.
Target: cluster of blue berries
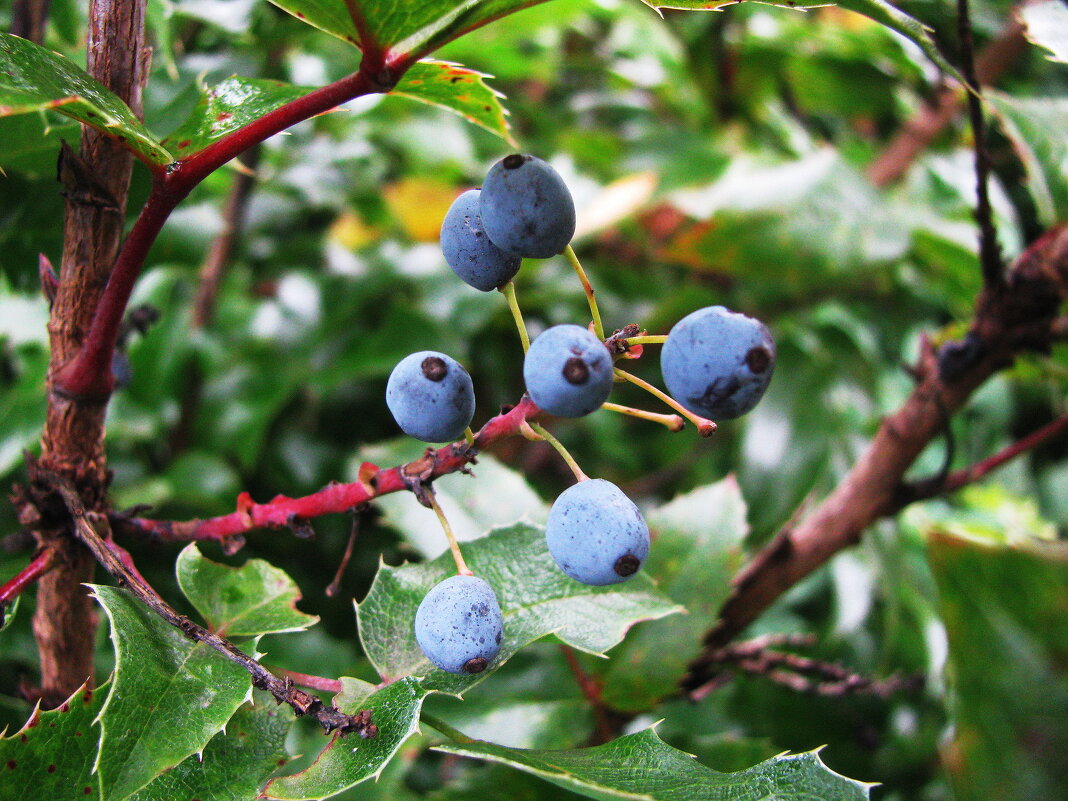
[(715, 363)]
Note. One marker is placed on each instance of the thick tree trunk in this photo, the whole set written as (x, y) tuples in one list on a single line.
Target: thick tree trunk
[(73, 440)]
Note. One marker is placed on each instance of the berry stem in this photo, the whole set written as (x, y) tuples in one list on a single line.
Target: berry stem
[(598, 327), (508, 290), (705, 427), (437, 723), (672, 421), (649, 339), (454, 546), (540, 432)]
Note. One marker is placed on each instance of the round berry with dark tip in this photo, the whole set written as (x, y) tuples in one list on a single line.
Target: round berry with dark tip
[(459, 626), (431, 396), (717, 362), (526, 208), (568, 371), (596, 534), (469, 252)]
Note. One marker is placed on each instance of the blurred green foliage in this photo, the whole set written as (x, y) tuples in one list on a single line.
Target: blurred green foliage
[(714, 158)]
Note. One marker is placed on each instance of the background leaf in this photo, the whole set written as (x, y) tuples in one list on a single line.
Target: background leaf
[(33, 78), (1046, 25), (168, 696), (642, 766), (459, 89), (54, 753), (256, 598)]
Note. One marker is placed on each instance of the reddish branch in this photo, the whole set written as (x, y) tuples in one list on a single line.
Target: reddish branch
[(336, 498), (38, 566), (1014, 317)]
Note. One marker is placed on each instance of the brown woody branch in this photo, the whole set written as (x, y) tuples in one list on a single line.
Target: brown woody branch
[(118, 563), (1014, 317)]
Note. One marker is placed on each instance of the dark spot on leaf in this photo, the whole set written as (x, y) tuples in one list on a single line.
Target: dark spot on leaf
[(87, 791), (87, 697), (184, 144), (12, 764), (51, 769), (434, 368), (223, 115), (475, 665), (281, 762), (627, 565), (758, 359), (23, 738), (576, 371)]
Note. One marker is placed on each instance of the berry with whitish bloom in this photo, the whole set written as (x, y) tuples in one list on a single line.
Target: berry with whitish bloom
[(717, 362), (459, 626), (568, 371), (431, 396), (526, 208), (469, 252), (596, 534)]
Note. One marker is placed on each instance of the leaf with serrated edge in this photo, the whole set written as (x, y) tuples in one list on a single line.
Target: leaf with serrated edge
[(699, 539), (349, 760), (256, 598), (460, 90), (227, 107), (236, 763), (536, 600), (54, 752), (33, 78), (642, 766), (878, 10), (169, 696), (329, 16)]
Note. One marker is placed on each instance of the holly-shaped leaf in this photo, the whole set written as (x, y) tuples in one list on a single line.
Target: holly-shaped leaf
[(33, 78), (228, 106), (698, 549), (464, 91), (53, 754), (536, 600), (169, 696), (256, 598), (642, 766), (7, 613), (348, 760), (236, 763)]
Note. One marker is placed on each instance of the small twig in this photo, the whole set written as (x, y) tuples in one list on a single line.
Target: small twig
[(107, 553), (41, 563), (335, 585), (606, 719), (989, 252), (319, 683)]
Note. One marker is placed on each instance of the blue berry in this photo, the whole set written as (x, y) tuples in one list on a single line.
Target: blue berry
[(568, 371), (469, 251), (526, 207), (431, 396), (717, 363), (596, 534), (458, 625)]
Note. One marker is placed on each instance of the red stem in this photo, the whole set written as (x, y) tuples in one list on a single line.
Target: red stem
[(38, 566), (88, 376), (961, 478), (338, 498)]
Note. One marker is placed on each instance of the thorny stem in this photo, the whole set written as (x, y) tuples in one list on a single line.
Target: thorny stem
[(672, 421), (454, 545), (107, 553), (705, 427), (989, 252), (542, 433), (587, 287), (508, 290)]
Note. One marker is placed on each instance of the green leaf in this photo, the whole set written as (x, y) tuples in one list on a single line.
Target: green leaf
[(459, 89), (330, 16), (1003, 608), (168, 698), (878, 10), (256, 598), (349, 760), (1036, 127), (8, 613), (33, 78), (29, 142), (697, 548), (53, 754), (228, 106), (642, 766), (1046, 25), (536, 599), (236, 763)]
